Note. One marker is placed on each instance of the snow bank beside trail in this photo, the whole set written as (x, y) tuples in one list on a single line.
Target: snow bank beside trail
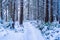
[(51, 33), (6, 34), (2, 32)]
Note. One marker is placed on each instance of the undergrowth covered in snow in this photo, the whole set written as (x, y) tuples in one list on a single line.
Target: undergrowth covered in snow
[(49, 31)]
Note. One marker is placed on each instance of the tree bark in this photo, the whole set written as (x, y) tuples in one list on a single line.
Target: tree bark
[(28, 9), (13, 14), (21, 12), (1, 15), (51, 12), (47, 13)]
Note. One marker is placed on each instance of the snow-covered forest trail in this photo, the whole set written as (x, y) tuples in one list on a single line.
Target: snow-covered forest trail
[(30, 33)]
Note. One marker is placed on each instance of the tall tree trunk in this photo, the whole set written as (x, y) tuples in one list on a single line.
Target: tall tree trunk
[(56, 10), (59, 11), (10, 8), (28, 9), (21, 12), (6, 13), (43, 10), (51, 12), (1, 15), (46, 13), (13, 14), (12, 11), (38, 10), (38, 13), (16, 10)]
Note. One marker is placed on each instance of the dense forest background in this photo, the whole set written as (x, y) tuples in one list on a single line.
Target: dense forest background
[(22, 10)]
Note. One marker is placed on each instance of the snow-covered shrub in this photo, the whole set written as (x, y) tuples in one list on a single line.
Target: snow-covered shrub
[(34, 23), (7, 24), (57, 37), (51, 34), (50, 30)]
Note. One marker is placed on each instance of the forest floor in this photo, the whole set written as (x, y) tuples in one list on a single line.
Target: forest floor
[(31, 32)]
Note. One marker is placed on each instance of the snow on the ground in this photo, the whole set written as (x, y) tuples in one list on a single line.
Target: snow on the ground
[(12, 36), (52, 34), (30, 33), (51, 31)]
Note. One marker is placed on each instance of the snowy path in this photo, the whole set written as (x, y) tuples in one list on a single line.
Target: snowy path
[(30, 33)]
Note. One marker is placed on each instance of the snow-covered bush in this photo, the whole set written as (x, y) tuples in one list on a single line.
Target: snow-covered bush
[(51, 31)]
